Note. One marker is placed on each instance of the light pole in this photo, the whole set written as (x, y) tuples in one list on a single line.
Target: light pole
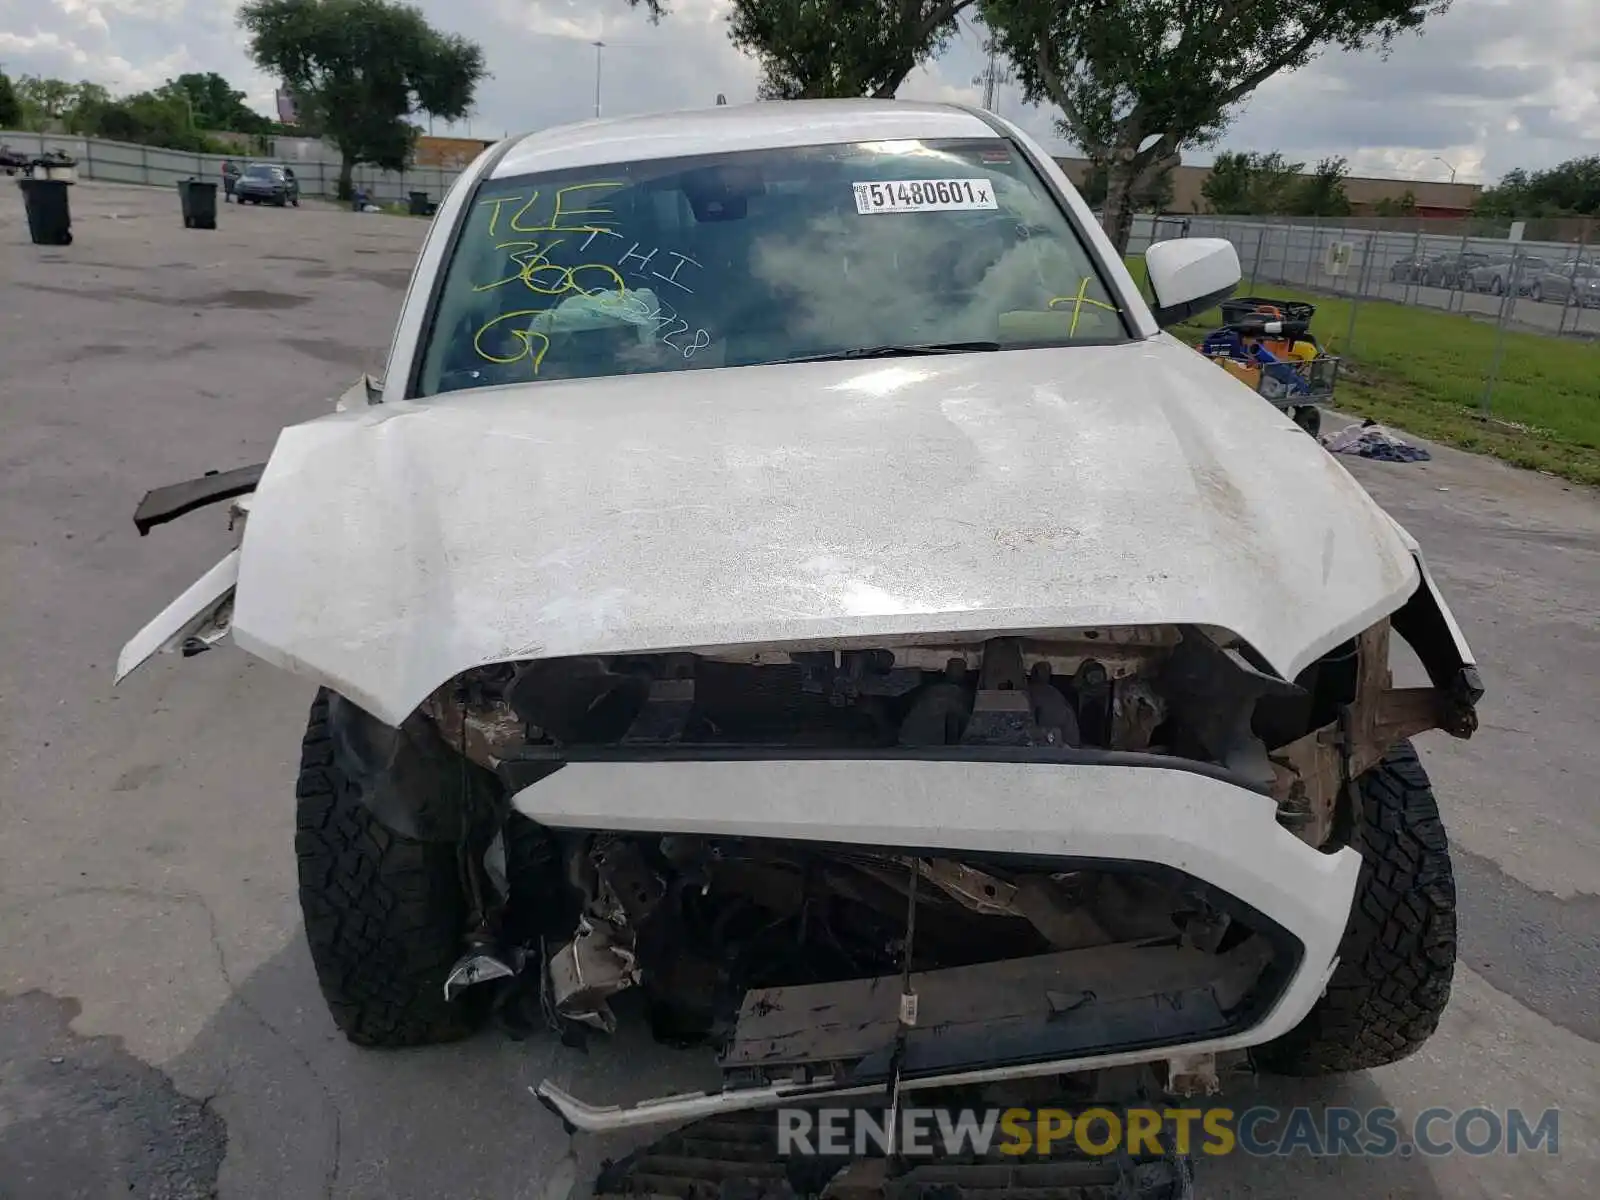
[(1436, 158), (599, 46)]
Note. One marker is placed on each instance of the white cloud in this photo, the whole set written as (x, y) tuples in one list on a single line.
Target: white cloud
[(1490, 85)]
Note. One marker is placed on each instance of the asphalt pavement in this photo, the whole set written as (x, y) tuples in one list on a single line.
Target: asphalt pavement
[(161, 1033)]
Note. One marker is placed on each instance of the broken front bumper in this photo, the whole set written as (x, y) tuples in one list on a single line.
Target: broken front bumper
[(1224, 837)]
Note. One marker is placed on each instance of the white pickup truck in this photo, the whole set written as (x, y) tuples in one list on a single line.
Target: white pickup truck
[(786, 568)]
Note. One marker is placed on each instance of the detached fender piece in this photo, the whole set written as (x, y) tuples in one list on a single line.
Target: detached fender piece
[(203, 614), (1428, 626), (164, 504)]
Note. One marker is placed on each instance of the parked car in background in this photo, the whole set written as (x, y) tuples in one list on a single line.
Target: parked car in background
[(1576, 281), (1413, 268), (1446, 270), (1502, 272), (266, 183)]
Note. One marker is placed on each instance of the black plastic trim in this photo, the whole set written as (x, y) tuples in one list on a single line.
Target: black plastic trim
[(164, 504), (1173, 315)]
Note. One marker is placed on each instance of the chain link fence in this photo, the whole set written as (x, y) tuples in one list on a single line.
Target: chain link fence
[(125, 162), (1437, 319), (1541, 277)]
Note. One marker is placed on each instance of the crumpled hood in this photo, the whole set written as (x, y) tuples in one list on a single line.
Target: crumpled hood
[(393, 547)]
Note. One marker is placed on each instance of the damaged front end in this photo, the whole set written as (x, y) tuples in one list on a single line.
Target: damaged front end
[(938, 861)]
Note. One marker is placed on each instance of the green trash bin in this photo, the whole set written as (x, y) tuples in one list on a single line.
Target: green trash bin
[(49, 213), (419, 204), (198, 198)]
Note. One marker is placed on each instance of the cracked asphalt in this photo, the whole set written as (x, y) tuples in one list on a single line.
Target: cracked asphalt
[(160, 1029)]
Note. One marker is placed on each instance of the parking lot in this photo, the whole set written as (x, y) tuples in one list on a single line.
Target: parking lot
[(161, 1033)]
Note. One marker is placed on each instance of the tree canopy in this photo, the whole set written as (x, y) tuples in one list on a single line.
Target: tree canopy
[(815, 49), (1267, 184), (361, 67), (1571, 189), (1138, 80), (215, 103), (164, 117), (10, 106), (1152, 192)]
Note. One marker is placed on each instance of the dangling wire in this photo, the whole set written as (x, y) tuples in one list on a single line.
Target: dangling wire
[(908, 1016)]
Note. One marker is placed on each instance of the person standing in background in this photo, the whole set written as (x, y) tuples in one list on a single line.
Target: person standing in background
[(230, 176)]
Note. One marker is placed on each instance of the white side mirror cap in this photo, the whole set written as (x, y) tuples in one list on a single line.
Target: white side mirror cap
[(1189, 275)]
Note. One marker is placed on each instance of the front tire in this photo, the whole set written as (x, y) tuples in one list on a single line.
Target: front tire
[(384, 914), (1398, 955)]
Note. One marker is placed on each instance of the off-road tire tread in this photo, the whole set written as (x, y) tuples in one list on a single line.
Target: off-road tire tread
[(383, 914), (1397, 959)]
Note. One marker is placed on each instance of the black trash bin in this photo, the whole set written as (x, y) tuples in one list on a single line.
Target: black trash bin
[(419, 204), (49, 213), (198, 198)]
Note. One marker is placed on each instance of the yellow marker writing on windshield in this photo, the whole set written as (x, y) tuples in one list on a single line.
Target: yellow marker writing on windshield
[(563, 208), (494, 217), (567, 280), (1077, 302), (524, 336), (527, 259)]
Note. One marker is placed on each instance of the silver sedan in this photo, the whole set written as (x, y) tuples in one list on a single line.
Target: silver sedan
[(1572, 282)]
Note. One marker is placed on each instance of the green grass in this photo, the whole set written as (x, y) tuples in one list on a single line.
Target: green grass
[(1424, 371)]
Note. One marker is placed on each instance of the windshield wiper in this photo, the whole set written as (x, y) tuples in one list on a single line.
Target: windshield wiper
[(890, 352)]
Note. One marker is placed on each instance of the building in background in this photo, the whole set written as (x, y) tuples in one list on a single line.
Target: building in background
[(448, 153), (288, 110)]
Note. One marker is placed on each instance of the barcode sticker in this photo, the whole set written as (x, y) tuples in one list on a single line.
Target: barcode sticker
[(923, 195)]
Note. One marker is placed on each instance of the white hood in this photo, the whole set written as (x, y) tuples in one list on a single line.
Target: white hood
[(393, 547)]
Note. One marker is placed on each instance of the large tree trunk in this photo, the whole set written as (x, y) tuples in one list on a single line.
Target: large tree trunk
[(1116, 217), (347, 166)]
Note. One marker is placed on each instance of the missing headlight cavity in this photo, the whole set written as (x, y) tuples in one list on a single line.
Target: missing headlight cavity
[(1189, 697)]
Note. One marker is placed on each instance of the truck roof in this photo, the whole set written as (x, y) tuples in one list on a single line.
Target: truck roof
[(757, 126)]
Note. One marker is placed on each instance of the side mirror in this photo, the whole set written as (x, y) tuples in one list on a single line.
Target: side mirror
[(1189, 275)]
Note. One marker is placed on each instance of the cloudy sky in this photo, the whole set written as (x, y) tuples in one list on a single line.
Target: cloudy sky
[(1492, 85)]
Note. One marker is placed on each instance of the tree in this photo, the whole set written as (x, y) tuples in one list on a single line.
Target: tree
[(215, 103), (89, 100), (812, 49), (362, 67), (45, 101), (150, 118), (1152, 193), (1252, 184), (10, 106), (1570, 189), (1322, 194), (1405, 206), (1138, 80)]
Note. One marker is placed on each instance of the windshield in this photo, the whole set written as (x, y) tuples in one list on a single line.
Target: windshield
[(261, 172), (760, 257)]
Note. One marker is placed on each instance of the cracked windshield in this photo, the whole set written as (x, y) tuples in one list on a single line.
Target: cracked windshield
[(738, 259)]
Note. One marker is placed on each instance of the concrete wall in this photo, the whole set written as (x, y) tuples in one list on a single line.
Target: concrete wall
[(124, 162)]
